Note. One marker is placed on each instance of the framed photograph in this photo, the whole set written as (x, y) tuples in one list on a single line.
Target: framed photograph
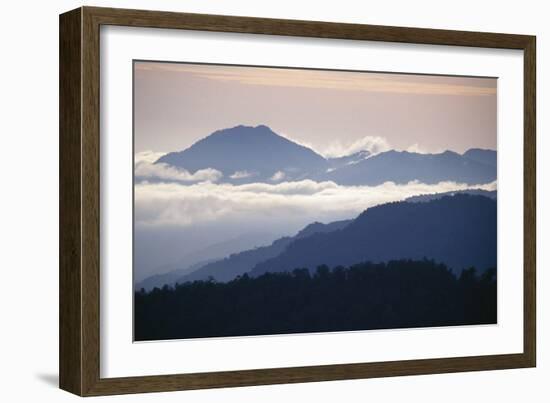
[(248, 201)]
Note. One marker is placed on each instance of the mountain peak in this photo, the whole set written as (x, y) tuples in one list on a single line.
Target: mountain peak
[(256, 150), (246, 154), (242, 130)]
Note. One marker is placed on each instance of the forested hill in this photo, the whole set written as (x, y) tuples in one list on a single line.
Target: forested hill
[(460, 231), (399, 294)]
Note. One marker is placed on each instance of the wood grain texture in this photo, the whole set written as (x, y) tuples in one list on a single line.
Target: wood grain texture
[(80, 201), (90, 203), (317, 29), (70, 313), (530, 202)]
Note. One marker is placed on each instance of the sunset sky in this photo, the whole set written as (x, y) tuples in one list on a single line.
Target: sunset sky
[(333, 112)]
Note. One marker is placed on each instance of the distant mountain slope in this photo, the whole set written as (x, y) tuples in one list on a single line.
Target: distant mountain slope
[(240, 263), (338, 162), (169, 278), (459, 231), (249, 154), (491, 194), (171, 272), (488, 157), (246, 154), (402, 167)]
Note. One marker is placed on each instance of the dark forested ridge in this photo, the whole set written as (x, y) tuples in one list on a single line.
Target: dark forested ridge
[(491, 194), (366, 296), (460, 231)]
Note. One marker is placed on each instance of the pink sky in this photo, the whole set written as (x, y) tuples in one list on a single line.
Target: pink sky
[(333, 112)]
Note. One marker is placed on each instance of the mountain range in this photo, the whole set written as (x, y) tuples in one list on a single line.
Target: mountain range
[(402, 167), (239, 263), (247, 154), (458, 230)]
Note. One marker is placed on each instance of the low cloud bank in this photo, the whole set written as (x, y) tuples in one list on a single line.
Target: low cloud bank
[(145, 167), (177, 204)]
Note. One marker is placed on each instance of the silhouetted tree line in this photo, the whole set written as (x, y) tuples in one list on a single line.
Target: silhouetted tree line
[(397, 294)]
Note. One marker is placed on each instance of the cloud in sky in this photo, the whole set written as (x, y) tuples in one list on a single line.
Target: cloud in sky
[(241, 175), (278, 176), (174, 104), (341, 148), (342, 80), (417, 148), (174, 204), (145, 167), (148, 156), (373, 144)]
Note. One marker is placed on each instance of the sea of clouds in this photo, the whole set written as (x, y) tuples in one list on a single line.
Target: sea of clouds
[(170, 196), (177, 212), (168, 204)]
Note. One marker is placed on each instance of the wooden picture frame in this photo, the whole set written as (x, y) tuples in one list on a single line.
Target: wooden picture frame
[(79, 348)]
